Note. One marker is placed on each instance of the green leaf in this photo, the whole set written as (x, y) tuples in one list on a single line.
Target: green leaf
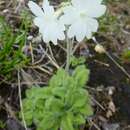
[(48, 121), (67, 123), (54, 104), (28, 115), (27, 104), (44, 93), (38, 114), (30, 93), (74, 61), (80, 98), (81, 75), (39, 104), (59, 92), (79, 119), (86, 110), (58, 79)]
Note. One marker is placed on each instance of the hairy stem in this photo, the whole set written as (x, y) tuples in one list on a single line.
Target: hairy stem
[(69, 50)]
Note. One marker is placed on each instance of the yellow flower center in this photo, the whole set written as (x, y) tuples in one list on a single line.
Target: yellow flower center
[(83, 14)]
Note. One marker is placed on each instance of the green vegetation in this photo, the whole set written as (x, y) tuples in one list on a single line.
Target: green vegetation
[(2, 125), (108, 23), (11, 43), (126, 55), (77, 61), (64, 104)]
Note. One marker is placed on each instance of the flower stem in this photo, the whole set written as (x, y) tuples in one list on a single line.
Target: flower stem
[(69, 49)]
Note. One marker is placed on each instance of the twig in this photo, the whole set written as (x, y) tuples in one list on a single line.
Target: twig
[(62, 47), (118, 65), (114, 61), (52, 55), (31, 50), (98, 104), (9, 110), (95, 125), (25, 83), (42, 69), (76, 47), (41, 59), (20, 100), (49, 57)]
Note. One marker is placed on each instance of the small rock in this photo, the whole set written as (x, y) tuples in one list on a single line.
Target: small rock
[(12, 124), (30, 37), (107, 126)]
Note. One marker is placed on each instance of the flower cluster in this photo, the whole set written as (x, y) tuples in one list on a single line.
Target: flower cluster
[(80, 17)]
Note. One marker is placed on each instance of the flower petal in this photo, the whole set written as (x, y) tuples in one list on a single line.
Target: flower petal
[(61, 25), (80, 36), (78, 30), (54, 39), (38, 21), (89, 33), (56, 33), (70, 15), (94, 1), (47, 8), (36, 10), (52, 32), (78, 4), (46, 34), (95, 10), (92, 24), (61, 36)]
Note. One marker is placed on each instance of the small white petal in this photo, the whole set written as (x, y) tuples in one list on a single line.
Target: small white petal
[(36, 10), (68, 19), (46, 35), (96, 10), (99, 1), (65, 19), (78, 3), (94, 1), (61, 36), (61, 25), (47, 8), (69, 16), (81, 36), (38, 21), (93, 8), (54, 40), (92, 24), (78, 30), (89, 33), (53, 32), (46, 39)]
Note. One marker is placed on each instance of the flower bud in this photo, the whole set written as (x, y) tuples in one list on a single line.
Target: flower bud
[(100, 49)]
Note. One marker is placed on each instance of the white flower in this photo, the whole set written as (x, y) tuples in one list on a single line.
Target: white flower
[(81, 16), (49, 25)]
